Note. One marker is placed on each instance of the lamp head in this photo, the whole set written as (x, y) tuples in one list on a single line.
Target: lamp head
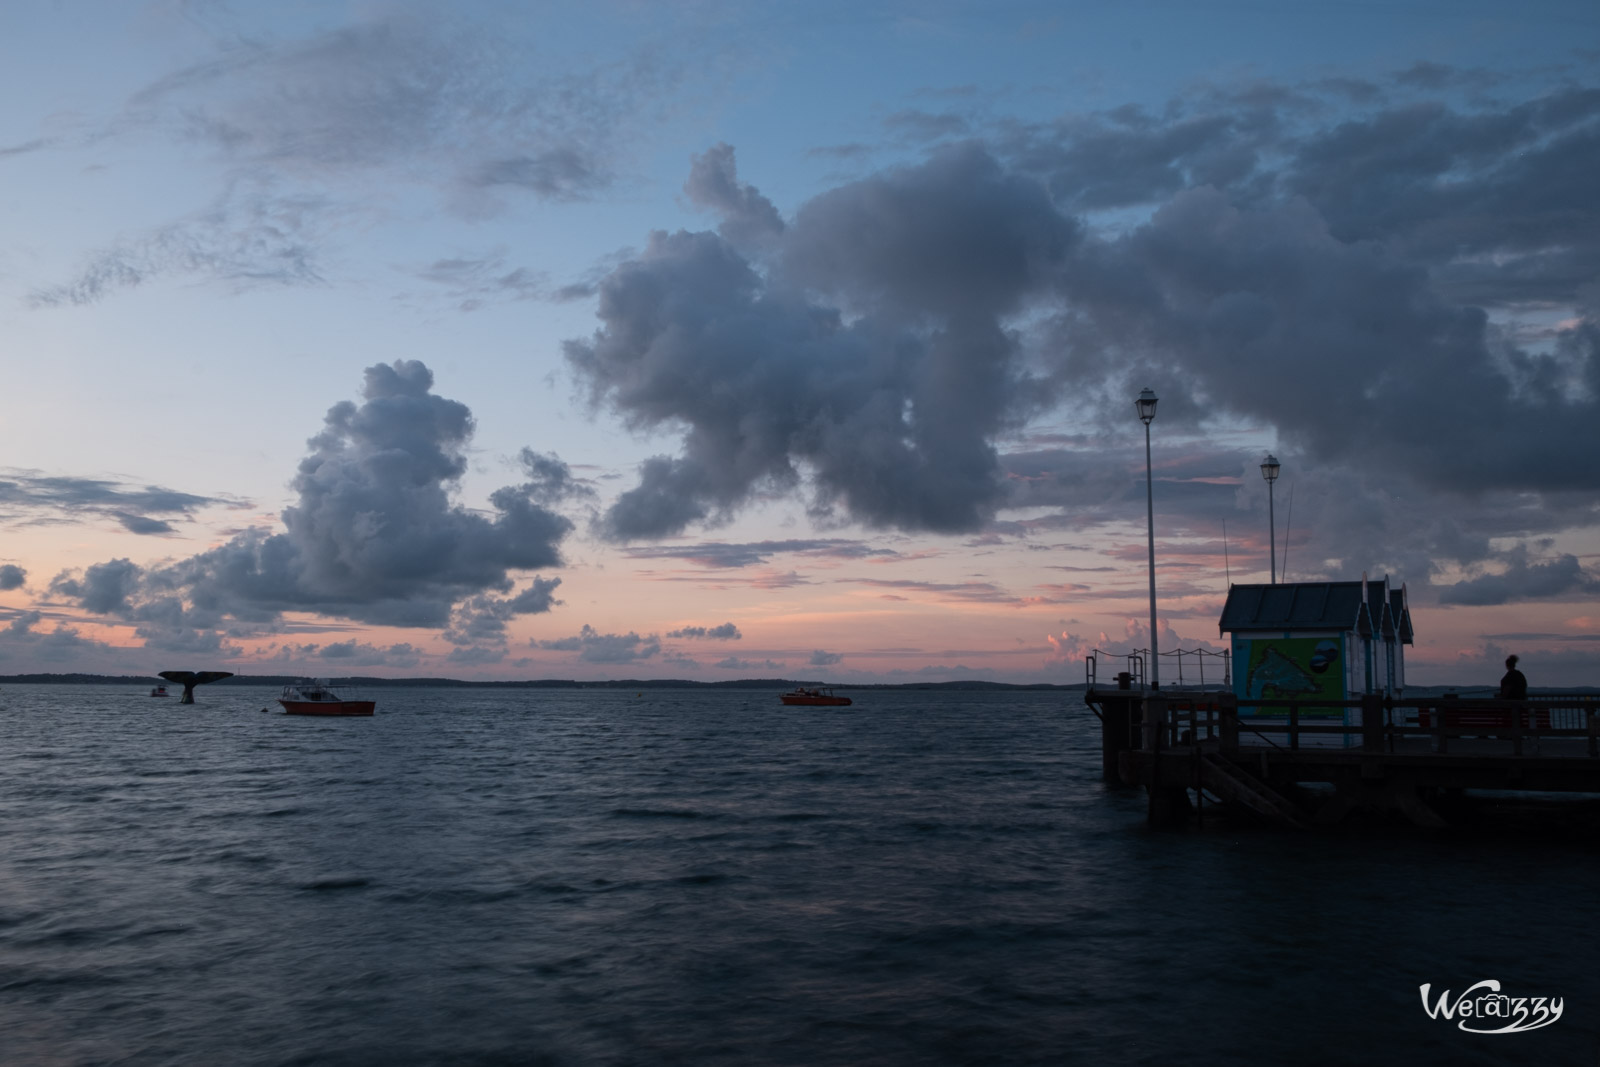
[(1146, 405), (1269, 468)]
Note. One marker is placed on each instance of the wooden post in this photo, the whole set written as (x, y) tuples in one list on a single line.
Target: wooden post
[(1155, 716), (1294, 726), (1371, 723), (1115, 732), (1230, 727), (1594, 736)]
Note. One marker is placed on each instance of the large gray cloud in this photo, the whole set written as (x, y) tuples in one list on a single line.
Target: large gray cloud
[(871, 360), (1346, 268), (1347, 349), (373, 536), (1522, 579), (12, 577)]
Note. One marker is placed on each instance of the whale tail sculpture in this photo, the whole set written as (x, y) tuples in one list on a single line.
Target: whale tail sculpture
[(190, 679)]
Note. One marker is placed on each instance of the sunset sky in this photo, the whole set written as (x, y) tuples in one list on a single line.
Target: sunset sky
[(722, 340)]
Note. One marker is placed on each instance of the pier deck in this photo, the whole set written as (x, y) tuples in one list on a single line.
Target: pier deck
[(1375, 751)]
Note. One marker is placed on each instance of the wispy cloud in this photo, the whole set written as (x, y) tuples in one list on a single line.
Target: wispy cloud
[(298, 129), (31, 497), (966, 592), (717, 554)]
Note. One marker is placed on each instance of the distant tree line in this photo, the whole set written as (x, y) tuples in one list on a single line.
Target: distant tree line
[(540, 683)]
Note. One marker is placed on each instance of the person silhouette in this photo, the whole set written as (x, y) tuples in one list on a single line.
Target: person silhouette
[(1514, 686)]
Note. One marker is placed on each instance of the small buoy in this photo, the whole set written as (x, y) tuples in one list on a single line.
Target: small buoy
[(266, 711)]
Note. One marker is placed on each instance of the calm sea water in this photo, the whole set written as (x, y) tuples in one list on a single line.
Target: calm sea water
[(664, 877)]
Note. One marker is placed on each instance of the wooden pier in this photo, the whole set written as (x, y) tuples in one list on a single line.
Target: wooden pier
[(1376, 752)]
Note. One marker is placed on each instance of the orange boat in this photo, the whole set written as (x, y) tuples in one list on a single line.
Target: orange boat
[(815, 698), (320, 698)]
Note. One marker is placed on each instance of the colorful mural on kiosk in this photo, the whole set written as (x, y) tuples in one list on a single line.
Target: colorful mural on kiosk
[(1290, 668)]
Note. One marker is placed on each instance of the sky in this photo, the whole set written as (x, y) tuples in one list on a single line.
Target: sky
[(753, 340)]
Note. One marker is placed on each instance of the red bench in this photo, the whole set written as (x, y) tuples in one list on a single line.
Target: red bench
[(1485, 718)]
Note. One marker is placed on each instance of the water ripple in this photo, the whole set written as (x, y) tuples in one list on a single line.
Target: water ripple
[(591, 877)]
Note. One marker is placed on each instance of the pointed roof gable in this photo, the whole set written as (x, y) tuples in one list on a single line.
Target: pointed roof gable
[(1318, 606)]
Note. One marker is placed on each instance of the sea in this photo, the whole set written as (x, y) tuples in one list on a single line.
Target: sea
[(703, 876)]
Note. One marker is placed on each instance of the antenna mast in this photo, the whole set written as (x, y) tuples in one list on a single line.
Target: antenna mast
[(1288, 527), (1227, 570)]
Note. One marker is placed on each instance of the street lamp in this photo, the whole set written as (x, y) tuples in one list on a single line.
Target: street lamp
[(1269, 471), (1146, 406)]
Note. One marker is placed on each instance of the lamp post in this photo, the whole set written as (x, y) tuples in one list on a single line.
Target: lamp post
[(1146, 406), (1269, 471)]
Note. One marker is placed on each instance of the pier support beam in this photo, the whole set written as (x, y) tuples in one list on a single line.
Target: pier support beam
[(1380, 796), (1117, 718), (1168, 807)]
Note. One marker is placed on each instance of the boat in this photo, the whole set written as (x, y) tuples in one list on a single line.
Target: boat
[(159, 691), (320, 698), (819, 697)]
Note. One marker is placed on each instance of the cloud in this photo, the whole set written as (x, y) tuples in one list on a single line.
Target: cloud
[(104, 588), (1067, 648), (1521, 579), (550, 481), (719, 554), (749, 219), (440, 93), (477, 282), (1339, 269), (483, 618), (819, 658), (475, 655), (926, 125), (19, 640), (32, 497), (11, 577), (250, 236), (595, 647), (726, 632), (869, 361), (299, 129), (351, 653), (373, 537), (1238, 304), (733, 663), (564, 173), (978, 592)]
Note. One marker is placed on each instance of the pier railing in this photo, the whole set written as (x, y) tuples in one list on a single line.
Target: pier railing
[(1172, 667), (1372, 723)]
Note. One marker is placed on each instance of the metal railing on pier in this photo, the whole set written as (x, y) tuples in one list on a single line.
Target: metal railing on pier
[(1378, 723), (1172, 667)]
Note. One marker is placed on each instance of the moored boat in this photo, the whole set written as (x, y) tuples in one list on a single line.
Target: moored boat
[(320, 698), (819, 697)]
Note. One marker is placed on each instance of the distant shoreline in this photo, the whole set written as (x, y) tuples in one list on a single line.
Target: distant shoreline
[(965, 686), (542, 683)]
